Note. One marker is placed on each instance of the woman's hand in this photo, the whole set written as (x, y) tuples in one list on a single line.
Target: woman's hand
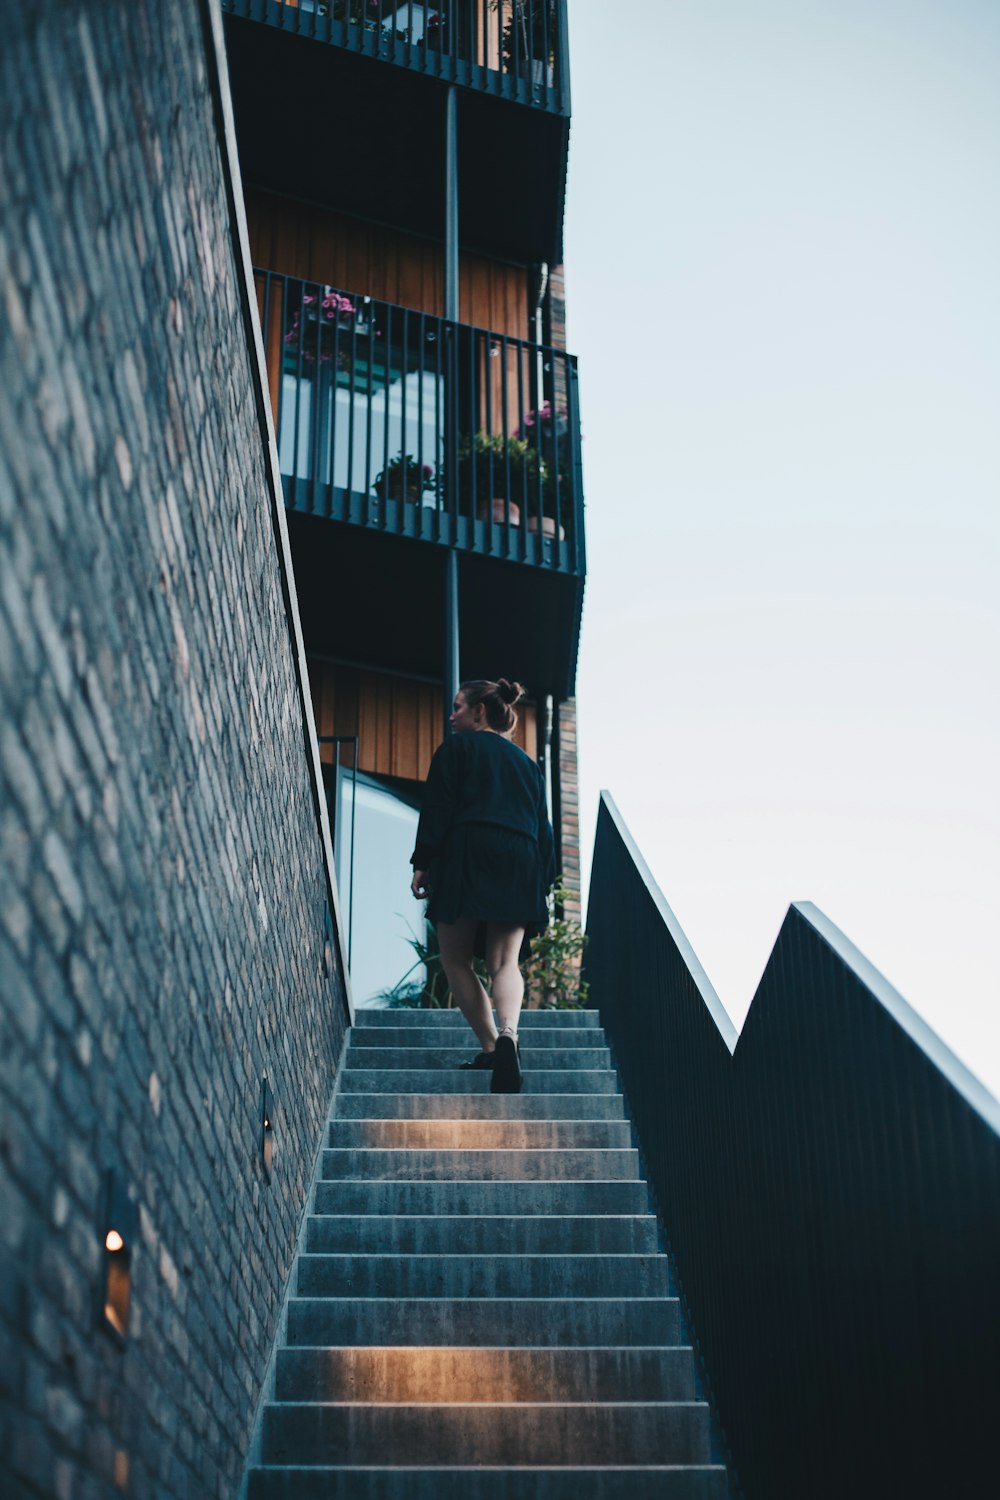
[(418, 885)]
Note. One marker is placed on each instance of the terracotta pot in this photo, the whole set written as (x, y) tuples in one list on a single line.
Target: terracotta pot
[(500, 511), (548, 527)]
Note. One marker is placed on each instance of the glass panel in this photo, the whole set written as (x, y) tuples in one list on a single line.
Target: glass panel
[(385, 913)]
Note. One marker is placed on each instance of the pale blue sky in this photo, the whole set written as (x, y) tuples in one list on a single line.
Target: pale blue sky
[(783, 234)]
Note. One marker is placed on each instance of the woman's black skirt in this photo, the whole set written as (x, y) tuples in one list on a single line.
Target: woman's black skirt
[(489, 874)]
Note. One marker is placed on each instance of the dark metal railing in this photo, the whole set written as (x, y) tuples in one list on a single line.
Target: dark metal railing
[(406, 423), (341, 822), (829, 1182), (515, 49)]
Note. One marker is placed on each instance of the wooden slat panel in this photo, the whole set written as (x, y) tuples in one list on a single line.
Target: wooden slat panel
[(299, 239), (398, 721)]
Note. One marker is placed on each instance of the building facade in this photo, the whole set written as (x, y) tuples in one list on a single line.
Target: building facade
[(404, 173)]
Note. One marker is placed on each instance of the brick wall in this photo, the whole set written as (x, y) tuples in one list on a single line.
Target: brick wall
[(163, 887), (570, 791)]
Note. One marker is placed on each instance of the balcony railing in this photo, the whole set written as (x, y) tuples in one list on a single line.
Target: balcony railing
[(403, 422), (515, 49)]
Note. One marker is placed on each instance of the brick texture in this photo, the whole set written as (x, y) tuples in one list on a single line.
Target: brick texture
[(570, 790), (163, 938)]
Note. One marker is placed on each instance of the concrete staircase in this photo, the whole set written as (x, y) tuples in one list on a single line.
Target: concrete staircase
[(481, 1308)]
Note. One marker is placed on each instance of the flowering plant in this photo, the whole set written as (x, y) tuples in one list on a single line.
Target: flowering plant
[(405, 478), (331, 311)]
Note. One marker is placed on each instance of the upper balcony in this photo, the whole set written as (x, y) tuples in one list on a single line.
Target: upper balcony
[(343, 104), (512, 49), (400, 424)]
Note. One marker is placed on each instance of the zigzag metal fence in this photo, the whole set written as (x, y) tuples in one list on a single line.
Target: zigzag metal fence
[(829, 1181)]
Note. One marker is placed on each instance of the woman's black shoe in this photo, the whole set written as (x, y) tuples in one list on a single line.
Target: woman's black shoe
[(506, 1067), (484, 1060)]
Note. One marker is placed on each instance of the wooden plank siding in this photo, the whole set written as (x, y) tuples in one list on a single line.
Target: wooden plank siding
[(316, 244), (398, 720)]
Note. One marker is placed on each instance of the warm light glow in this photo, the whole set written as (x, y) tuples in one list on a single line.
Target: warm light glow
[(267, 1124), (113, 1240)]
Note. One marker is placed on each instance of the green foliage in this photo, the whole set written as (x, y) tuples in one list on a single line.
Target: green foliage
[(552, 974), (431, 992), (487, 454)]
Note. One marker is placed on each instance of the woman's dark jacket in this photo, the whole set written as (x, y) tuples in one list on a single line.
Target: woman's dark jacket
[(479, 777)]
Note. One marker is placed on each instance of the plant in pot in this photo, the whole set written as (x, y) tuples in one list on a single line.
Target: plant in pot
[(312, 329), (405, 478), (528, 38), (484, 460), (547, 432), (552, 975)]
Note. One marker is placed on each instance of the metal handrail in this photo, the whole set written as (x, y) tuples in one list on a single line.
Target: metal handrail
[(513, 49), (829, 1184), (333, 809), (406, 422)]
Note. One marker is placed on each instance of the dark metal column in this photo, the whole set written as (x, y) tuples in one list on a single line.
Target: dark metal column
[(451, 645), (451, 206), (451, 668)]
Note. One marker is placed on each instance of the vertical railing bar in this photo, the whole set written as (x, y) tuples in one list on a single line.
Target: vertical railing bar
[(334, 391), (387, 360), (521, 408), (351, 412), (404, 397), (299, 346), (422, 345), (317, 406), (486, 503), (506, 441), (473, 432), (368, 409)]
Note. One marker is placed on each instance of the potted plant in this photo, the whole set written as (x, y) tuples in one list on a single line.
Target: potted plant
[(405, 478), (484, 458), (313, 325), (528, 39), (546, 431), (552, 975)]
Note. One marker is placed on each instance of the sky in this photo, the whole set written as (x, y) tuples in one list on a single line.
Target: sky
[(782, 252)]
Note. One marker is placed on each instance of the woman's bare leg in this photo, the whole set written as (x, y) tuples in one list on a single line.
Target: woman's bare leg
[(503, 944), (457, 942)]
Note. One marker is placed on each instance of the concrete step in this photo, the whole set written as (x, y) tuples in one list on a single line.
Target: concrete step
[(489, 1275), (529, 1018), (482, 1198), (419, 1165), (516, 1374), (651, 1482), (538, 1038), (481, 1105), (359, 1080), (561, 1322), (451, 1058), (459, 1234), (516, 1432), (483, 1135)]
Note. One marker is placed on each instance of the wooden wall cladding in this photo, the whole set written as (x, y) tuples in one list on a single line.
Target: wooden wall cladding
[(398, 721), (299, 239)]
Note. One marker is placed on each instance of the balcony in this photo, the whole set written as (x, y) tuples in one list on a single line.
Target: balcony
[(507, 48), (398, 425), (342, 104)]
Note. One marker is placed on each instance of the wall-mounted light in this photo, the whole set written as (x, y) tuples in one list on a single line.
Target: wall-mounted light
[(267, 1127), (117, 1232)]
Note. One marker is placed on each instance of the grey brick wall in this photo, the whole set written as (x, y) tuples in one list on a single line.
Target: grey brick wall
[(163, 891)]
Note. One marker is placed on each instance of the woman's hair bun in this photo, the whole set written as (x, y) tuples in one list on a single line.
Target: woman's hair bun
[(510, 692)]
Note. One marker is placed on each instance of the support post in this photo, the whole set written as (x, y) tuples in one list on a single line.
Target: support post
[(451, 648), (451, 668), (451, 206)]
